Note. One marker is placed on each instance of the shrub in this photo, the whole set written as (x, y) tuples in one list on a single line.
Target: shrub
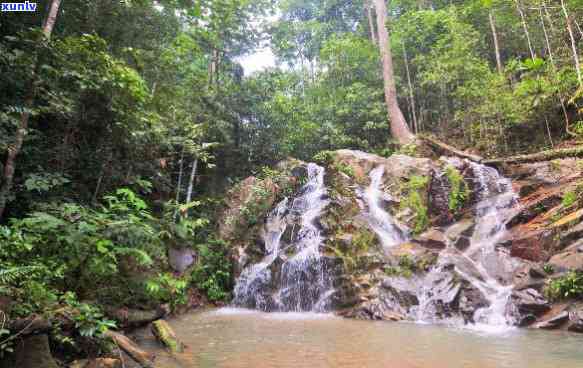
[(459, 188), (567, 286), (413, 199), (212, 273)]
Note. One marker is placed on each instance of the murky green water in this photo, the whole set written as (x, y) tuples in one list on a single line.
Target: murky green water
[(236, 339)]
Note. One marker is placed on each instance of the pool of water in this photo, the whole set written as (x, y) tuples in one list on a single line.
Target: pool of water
[(236, 338)]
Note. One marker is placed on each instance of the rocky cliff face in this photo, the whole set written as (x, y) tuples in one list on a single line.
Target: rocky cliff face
[(437, 240)]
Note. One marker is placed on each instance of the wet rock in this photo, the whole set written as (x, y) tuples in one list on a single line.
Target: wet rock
[(526, 305), (438, 204), (419, 256), (569, 260), (180, 258), (554, 322), (397, 167), (372, 310), (532, 246), (470, 300), (576, 318), (574, 233), (459, 234), (399, 294), (433, 239), (537, 272)]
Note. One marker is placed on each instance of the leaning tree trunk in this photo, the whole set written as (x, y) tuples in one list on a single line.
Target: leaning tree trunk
[(496, 44), (14, 150), (399, 129)]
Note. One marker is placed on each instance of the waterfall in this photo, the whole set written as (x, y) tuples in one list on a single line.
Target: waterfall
[(294, 276), (496, 197), (380, 221), (479, 263)]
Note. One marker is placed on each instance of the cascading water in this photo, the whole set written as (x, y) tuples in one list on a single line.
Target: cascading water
[(496, 198), (294, 276), (480, 263), (380, 221)]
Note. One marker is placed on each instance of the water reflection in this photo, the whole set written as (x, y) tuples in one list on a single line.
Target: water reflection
[(231, 338)]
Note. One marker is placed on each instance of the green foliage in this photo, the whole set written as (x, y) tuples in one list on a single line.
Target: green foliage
[(567, 286), (89, 320), (405, 267), (415, 191), (570, 198), (212, 273), (548, 268), (324, 157), (168, 289), (68, 244), (459, 188)]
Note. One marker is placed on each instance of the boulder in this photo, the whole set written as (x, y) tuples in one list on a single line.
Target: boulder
[(576, 318), (180, 258), (399, 294), (554, 322), (34, 352), (531, 245), (433, 238), (568, 260), (526, 305), (459, 234)]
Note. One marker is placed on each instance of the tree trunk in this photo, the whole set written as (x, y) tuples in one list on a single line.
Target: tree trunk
[(411, 94), (373, 32), (10, 164), (179, 184), (525, 27), (399, 129), (496, 45), (573, 43), (191, 181), (549, 49)]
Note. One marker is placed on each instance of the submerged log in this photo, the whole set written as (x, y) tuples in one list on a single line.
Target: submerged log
[(164, 333), (143, 358)]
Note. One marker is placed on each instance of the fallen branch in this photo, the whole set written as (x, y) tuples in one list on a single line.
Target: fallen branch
[(448, 150), (143, 358), (536, 157), (548, 155), (126, 317)]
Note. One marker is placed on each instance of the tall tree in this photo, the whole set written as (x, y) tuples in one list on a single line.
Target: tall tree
[(573, 42), (496, 44), (398, 124), (14, 150)]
